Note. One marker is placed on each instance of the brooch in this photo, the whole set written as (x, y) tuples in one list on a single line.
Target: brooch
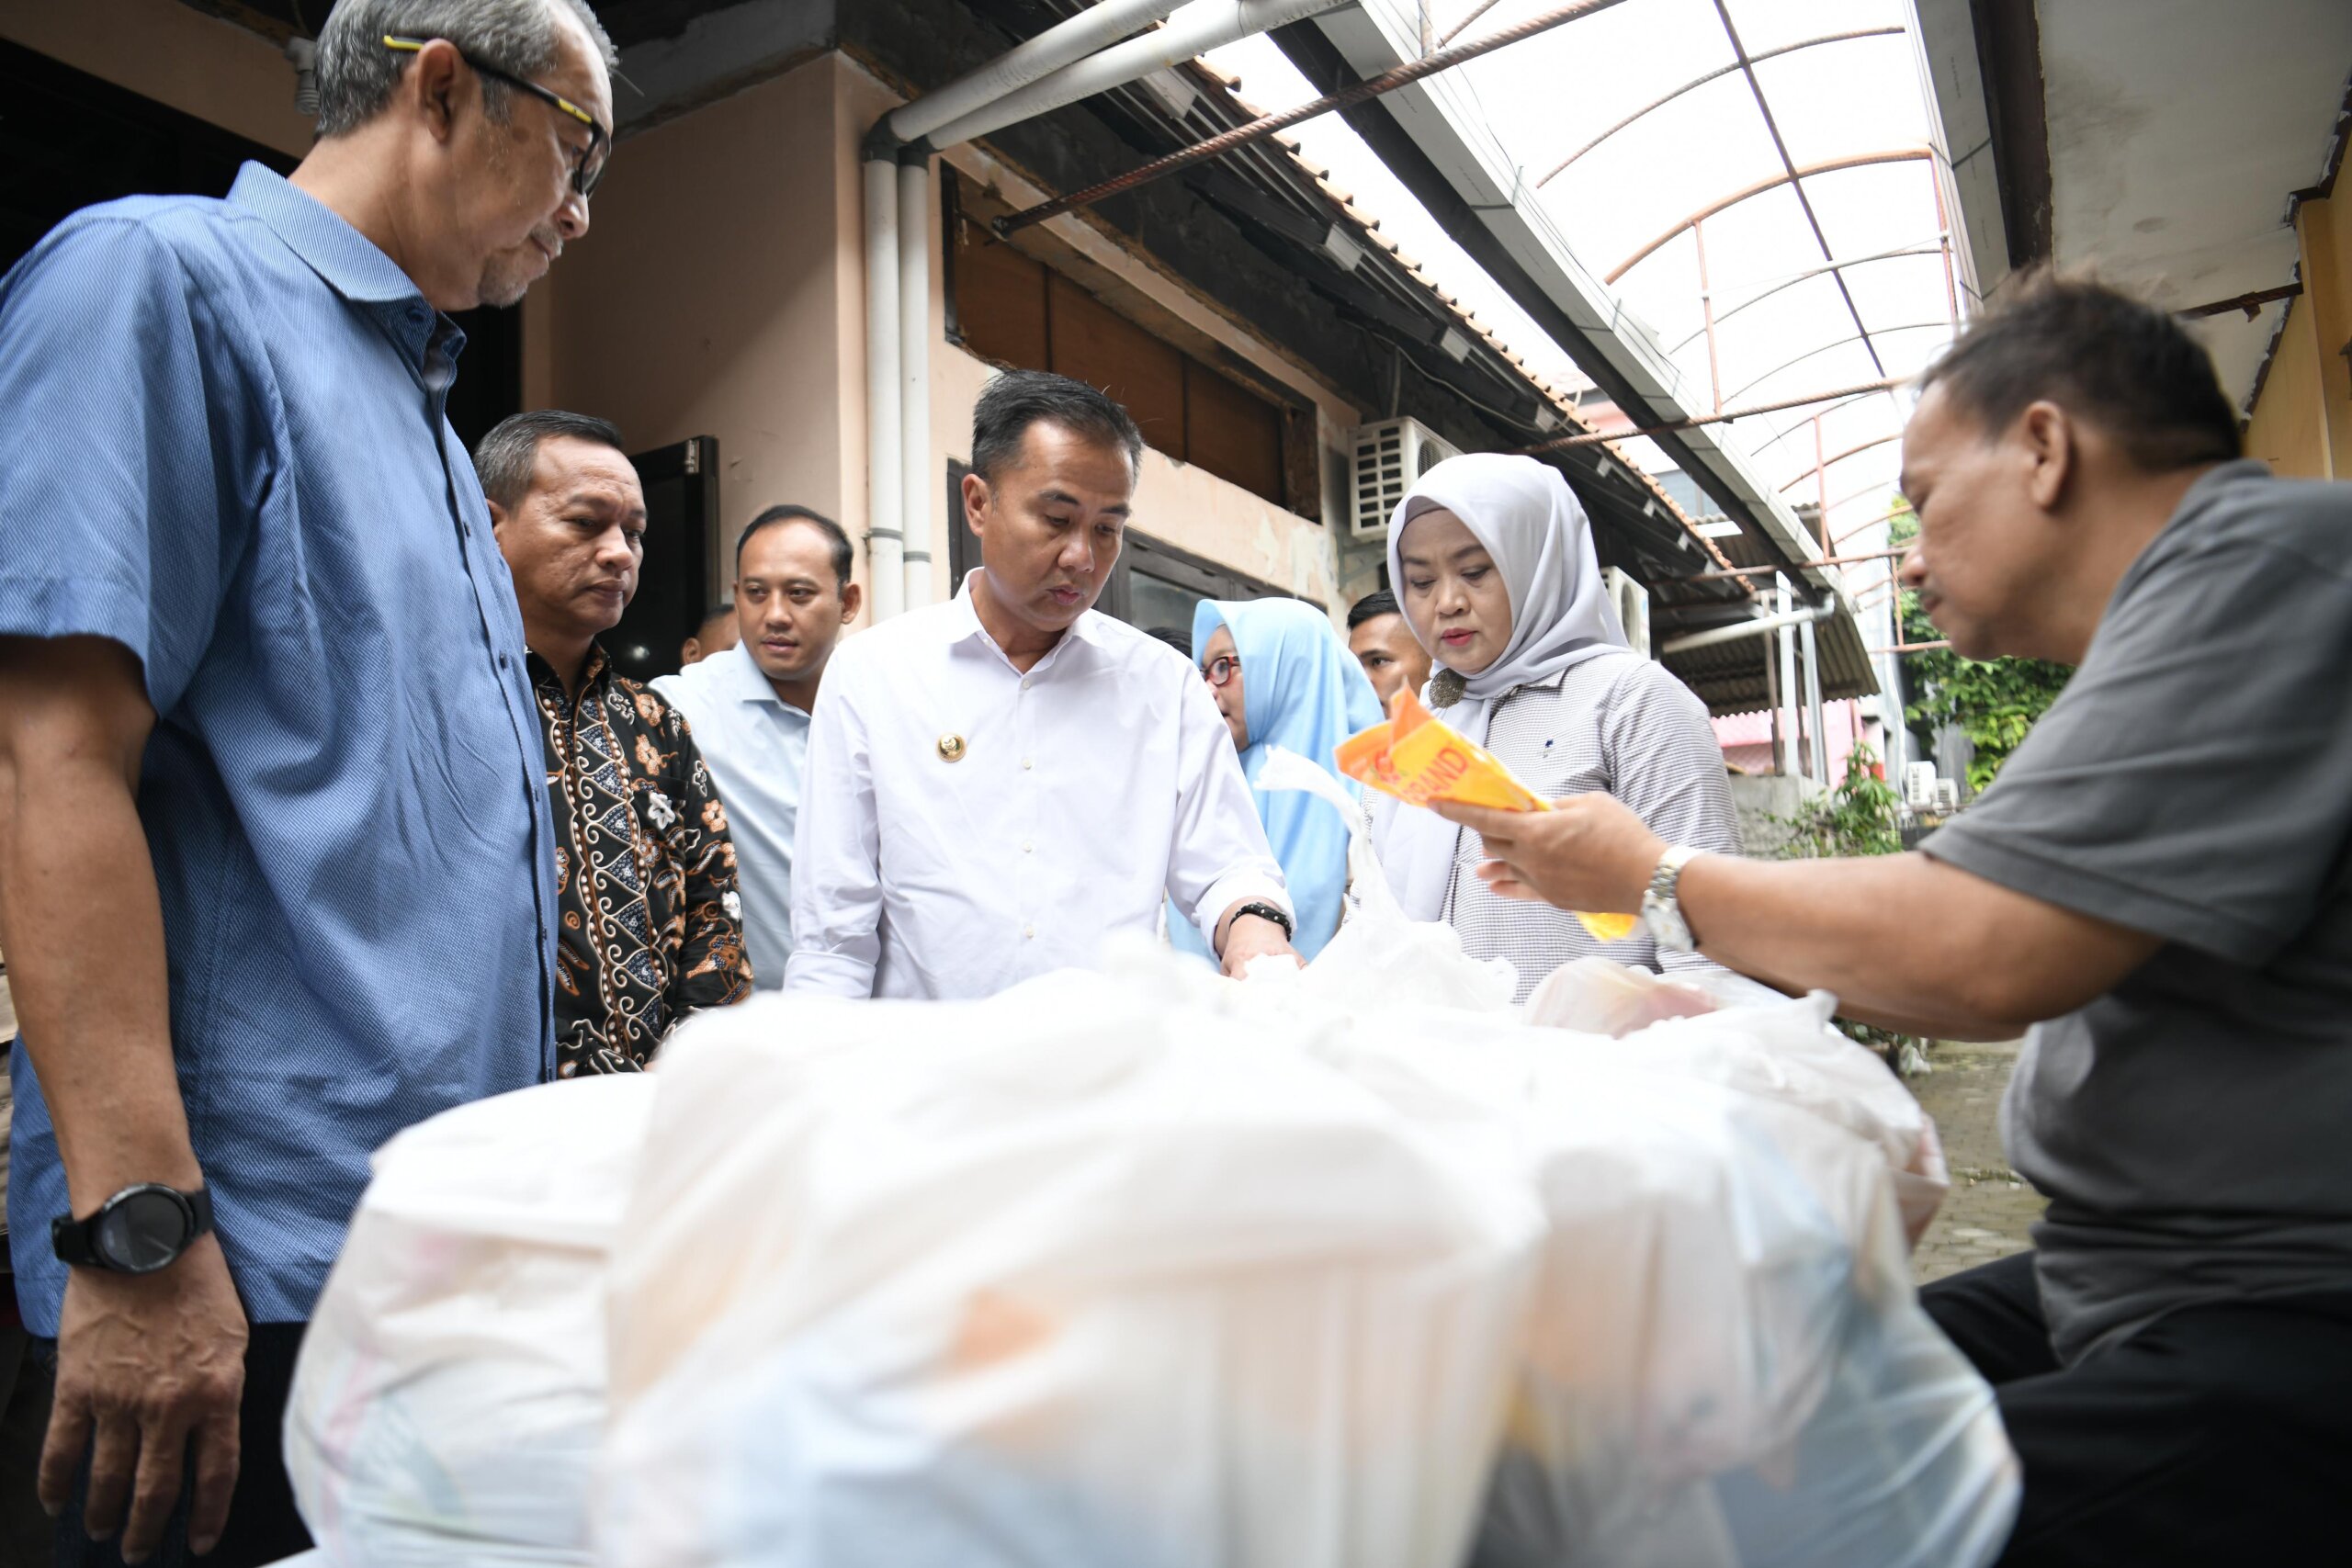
[(951, 747)]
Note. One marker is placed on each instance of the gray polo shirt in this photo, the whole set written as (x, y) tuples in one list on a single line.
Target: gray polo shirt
[(2193, 1126)]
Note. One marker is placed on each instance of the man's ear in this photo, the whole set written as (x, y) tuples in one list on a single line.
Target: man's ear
[(690, 651), (975, 502), (853, 600), (2052, 446), (433, 80), (498, 515)]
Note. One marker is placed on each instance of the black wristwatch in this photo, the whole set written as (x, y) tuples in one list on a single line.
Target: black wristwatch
[(1264, 912), (138, 1231)]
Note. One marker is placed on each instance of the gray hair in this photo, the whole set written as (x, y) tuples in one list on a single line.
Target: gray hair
[(506, 457), (356, 74)]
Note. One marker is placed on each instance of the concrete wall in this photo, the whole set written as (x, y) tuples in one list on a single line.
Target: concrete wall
[(177, 56), (716, 295), (2302, 425)]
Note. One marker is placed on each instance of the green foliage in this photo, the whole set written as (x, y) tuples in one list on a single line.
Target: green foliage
[(1994, 703), (1858, 818)]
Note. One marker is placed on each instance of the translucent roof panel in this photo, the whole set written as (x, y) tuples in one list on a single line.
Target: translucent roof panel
[(1666, 163)]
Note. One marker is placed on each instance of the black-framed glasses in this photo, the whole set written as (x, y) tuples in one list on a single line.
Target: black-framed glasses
[(1220, 670), (590, 170)]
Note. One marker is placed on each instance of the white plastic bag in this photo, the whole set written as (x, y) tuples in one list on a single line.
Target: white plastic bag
[(449, 1398), (1085, 1273)]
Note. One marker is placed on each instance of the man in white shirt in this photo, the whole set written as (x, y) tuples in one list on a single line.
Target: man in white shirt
[(998, 784), (748, 705)]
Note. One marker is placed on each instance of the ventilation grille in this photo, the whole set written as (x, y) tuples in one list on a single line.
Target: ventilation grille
[(1389, 459)]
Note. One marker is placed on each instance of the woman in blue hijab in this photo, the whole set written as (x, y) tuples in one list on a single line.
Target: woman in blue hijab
[(1281, 677)]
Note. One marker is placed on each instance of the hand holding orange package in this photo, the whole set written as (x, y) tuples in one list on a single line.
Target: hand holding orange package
[(1419, 759)]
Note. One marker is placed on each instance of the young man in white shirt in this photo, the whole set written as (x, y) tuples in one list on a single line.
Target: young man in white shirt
[(748, 704), (996, 784)]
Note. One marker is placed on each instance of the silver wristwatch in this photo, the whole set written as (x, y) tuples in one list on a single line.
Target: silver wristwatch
[(1661, 909)]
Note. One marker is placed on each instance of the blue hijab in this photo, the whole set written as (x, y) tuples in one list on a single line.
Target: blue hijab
[(1300, 689)]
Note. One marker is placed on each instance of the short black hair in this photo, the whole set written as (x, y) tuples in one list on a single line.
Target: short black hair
[(1015, 400), (723, 611), (844, 553), (1181, 642), (2125, 365), (1372, 606), (503, 459)]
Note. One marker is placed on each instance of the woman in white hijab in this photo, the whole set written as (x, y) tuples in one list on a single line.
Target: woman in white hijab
[(1491, 559)]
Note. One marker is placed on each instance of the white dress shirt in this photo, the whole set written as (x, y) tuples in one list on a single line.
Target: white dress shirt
[(755, 745), (966, 826)]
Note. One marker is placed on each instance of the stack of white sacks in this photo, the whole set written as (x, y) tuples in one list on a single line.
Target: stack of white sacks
[(1358, 1268)]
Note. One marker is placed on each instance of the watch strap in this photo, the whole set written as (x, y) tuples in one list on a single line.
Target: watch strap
[(75, 1241), (1265, 911)]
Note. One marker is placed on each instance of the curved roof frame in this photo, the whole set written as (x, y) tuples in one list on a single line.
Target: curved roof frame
[(1697, 82), (1793, 177)]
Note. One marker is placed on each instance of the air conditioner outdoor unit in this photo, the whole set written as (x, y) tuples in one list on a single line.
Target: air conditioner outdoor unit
[(1386, 459), (1947, 796), (1919, 785), (1633, 602)]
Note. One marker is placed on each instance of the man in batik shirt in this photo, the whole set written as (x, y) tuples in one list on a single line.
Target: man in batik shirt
[(650, 924)]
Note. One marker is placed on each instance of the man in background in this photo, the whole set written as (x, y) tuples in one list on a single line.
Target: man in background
[(713, 635), (997, 783), (748, 706), (651, 924), (1385, 646), (273, 823), (2159, 884)]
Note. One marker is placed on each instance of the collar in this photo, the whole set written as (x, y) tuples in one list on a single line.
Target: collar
[(344, 258), (739, 675), (966, 623), (547, 682)]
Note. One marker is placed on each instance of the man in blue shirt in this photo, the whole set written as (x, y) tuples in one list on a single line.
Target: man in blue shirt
[(275, 871), (748, 706)]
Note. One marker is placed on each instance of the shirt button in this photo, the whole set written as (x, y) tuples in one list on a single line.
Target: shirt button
[(1027, 762), (505, 664), (1026, 846), (1024, 683), (1028, 933)]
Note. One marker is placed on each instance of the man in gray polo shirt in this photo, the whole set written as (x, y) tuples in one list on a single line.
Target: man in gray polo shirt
[(2159, 884)]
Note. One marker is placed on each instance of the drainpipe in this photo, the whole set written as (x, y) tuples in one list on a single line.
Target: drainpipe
[(913, 380), (885, 540), (1765, 626), (1075, 38), (1792, 732), (1813, 705), (1203, 27)]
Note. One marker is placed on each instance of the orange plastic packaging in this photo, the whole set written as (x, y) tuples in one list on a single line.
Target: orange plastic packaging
[(1419, 759)]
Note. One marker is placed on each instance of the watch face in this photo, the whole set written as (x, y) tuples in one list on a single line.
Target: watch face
[(143, 1232)]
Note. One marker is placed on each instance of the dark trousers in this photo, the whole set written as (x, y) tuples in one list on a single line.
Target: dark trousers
[(2217, 1435), (263, 1526)]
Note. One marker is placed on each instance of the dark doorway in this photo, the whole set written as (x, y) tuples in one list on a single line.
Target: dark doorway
[(675, 584), (68, 140)]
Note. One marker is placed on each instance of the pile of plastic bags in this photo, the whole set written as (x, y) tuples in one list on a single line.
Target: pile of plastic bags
[(1345, 1268)]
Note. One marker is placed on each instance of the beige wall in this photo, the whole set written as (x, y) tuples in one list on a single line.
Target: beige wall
[(171, 53), (710, 297), (721, 292), (2302, 423)]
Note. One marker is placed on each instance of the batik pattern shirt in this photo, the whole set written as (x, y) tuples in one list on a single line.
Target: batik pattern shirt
[(650, 924)]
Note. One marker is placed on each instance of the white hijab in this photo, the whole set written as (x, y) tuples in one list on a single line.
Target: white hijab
[(1533, 526)]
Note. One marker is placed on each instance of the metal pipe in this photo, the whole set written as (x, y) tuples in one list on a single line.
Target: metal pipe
[(885, 540), (1812, 709), (1821, 348), (1096, 28), (1822, 465), (1914, 647), (917, 483), (1204, 26), (1760, 626), (1388, 80), (1791, 693), (1826, 166), (1596, 437), (1774, 285), (1766, 570)]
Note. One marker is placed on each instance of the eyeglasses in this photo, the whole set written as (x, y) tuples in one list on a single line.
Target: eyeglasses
[(587, 173), (1220, 670)]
